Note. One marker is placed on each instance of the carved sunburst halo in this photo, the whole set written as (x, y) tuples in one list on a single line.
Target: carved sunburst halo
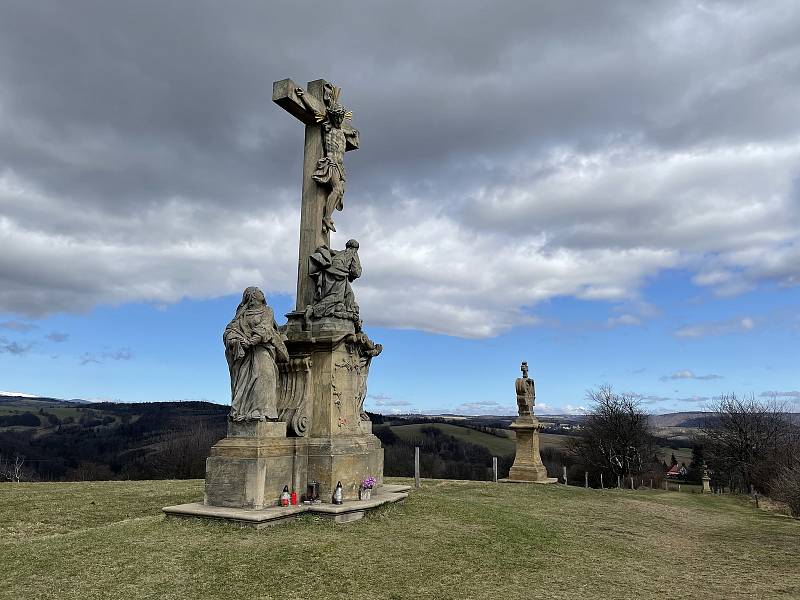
[(320, 117), (331, 99)]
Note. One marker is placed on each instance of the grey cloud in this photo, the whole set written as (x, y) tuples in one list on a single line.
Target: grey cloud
[(19, 326), (794, 394), (695, 399), (121, 354), (577, 150), (116, 355), (13, 347), (57, 336), (651, 399), (688, 374), (89, 358)]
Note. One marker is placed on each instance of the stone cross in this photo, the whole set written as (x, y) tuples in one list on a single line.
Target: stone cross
[(309, 106)]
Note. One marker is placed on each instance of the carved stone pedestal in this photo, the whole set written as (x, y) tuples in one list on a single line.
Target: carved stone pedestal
[(324, 435), (349, 459), (249, 467), (341, 446), (528, 464)]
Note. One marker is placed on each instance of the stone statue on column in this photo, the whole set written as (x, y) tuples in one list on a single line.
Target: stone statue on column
[(526, 392), (528, 466)]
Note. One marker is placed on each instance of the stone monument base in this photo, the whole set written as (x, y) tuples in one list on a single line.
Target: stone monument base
[(249, 468), (350, 510), (528, 464), (545, 481), (345, 459)]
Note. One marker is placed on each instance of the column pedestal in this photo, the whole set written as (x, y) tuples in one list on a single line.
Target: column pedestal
[(528, 466)]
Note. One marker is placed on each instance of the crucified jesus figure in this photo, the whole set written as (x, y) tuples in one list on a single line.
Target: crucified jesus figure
[(330, 168)]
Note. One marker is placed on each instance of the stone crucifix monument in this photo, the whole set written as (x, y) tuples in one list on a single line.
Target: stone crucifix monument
[(528, 466), (297, 415)]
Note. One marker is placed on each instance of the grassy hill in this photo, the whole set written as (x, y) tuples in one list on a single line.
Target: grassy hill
[(497, 445), (77, 440), (502, 446), (450, 539)]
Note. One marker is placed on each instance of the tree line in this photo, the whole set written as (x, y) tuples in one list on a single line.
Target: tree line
[(746, 445), (442, 456)]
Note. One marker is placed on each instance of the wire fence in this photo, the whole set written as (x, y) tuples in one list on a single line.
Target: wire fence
[(606, 481)]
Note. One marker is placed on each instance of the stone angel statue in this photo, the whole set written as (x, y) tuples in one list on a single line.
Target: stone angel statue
[(253, 346)]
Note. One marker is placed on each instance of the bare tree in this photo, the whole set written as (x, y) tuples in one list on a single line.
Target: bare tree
[(182, 452), (615, 436), (11, 469), (747, 441)]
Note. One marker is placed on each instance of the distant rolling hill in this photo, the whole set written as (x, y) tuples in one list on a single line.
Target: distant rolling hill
[(680, 419), (67, 439), (76, 439), (497, 445)]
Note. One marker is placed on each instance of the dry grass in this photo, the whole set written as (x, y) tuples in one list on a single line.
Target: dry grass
[(448, 540)]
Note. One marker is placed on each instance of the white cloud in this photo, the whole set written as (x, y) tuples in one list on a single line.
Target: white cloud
[(688, 374), (738, 325), (624, 320)]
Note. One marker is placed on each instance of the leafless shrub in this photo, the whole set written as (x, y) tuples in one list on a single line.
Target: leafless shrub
[(749, 442)]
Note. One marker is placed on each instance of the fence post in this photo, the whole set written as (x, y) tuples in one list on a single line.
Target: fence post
[(586, 479), (619, 482), (416, 466), (494, 468), (651, 484), (633, 488), (565, 476), (601, 482), (679, 487)]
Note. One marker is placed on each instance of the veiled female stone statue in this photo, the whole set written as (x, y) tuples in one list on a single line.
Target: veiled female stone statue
[(253, 344)]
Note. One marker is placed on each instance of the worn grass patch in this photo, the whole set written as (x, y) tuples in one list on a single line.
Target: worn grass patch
[(447, 540)]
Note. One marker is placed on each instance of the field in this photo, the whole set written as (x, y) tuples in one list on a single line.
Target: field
[(449, 539), (498, 446)]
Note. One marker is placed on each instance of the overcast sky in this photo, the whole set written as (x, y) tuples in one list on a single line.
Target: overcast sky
[(528, 171)]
